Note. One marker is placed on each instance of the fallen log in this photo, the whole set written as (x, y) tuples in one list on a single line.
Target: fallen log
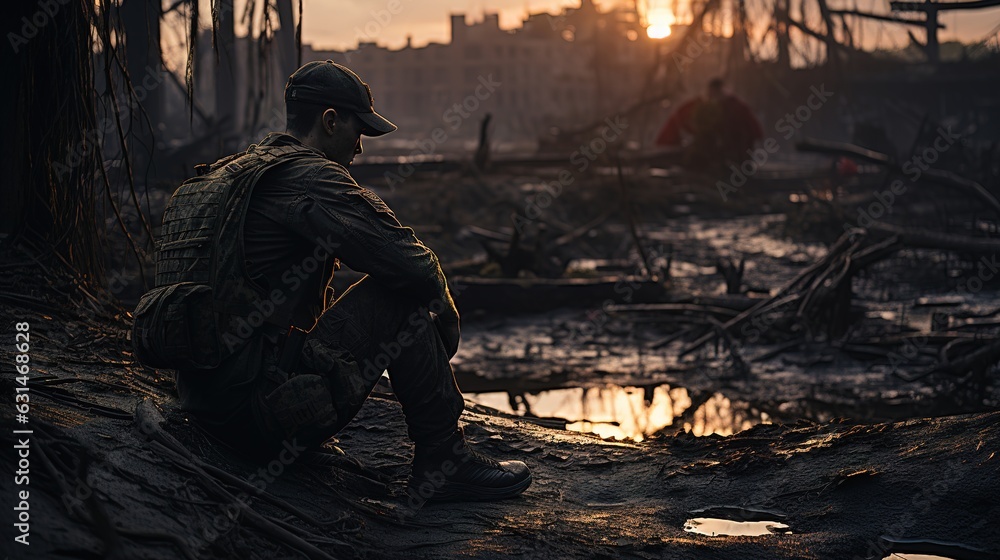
[(669, 308), (920, 338), (931, 175), (937, 240), (817, 145), (514, 295), (978, 359)]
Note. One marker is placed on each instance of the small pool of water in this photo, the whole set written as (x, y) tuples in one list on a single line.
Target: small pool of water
[(629, 412), (715, 527), (929, 549)]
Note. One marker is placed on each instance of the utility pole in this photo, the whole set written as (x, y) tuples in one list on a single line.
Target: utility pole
[(930, 9)]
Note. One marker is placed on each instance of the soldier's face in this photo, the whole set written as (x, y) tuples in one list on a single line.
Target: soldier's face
[(344, 138)]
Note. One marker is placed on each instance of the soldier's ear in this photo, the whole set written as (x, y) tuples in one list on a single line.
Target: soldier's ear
[(328, 119)]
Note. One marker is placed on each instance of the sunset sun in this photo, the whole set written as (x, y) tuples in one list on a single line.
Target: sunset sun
[(660, 20)]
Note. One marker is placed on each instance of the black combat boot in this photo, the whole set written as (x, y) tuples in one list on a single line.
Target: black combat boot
[(453, 471)]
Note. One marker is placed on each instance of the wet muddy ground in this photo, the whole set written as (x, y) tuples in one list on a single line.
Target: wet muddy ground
[(636, 444), (610, 346), (120, 473)]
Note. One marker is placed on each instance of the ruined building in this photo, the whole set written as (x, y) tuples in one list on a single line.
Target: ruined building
[(556, 71)]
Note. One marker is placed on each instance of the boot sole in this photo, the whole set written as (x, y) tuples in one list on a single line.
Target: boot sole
[(460, 492)]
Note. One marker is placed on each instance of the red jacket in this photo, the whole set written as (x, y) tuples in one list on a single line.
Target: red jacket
[(738, 121)]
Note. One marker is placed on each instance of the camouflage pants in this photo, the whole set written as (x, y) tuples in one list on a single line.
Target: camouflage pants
[(368, 330)]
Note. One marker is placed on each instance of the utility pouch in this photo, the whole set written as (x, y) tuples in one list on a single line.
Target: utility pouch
[(175, 327)]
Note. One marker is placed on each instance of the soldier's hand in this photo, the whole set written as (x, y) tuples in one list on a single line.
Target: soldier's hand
[(448, 326)]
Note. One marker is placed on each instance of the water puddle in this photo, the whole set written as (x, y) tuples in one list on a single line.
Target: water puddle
[(715, 527), (629, 412), (929, 549)]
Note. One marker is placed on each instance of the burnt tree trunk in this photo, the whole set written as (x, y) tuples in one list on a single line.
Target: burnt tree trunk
[(51, 132)]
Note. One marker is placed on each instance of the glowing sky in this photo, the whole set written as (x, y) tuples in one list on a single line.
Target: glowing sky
[(338, 23), (341, 23)]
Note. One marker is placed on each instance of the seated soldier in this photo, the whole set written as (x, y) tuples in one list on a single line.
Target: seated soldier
[(265, 230)]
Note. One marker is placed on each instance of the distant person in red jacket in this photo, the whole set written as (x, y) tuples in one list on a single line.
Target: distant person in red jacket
[(721, 128)]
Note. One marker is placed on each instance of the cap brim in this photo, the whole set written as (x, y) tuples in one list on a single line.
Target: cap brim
[(375, 124)]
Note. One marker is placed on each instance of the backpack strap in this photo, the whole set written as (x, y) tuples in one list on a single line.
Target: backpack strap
[(244, 172)]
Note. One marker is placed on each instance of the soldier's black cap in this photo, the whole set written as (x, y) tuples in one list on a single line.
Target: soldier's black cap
[(329, 83)]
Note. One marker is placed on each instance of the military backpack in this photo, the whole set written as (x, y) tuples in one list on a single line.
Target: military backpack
[(204, 308)]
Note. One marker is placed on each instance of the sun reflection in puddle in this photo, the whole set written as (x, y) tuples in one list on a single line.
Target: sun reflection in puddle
[(714, 527), (628, 412)]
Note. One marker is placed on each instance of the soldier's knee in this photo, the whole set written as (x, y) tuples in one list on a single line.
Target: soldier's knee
[(304, 402)]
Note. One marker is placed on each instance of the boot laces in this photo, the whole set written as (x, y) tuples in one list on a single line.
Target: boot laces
[(480, 458)]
